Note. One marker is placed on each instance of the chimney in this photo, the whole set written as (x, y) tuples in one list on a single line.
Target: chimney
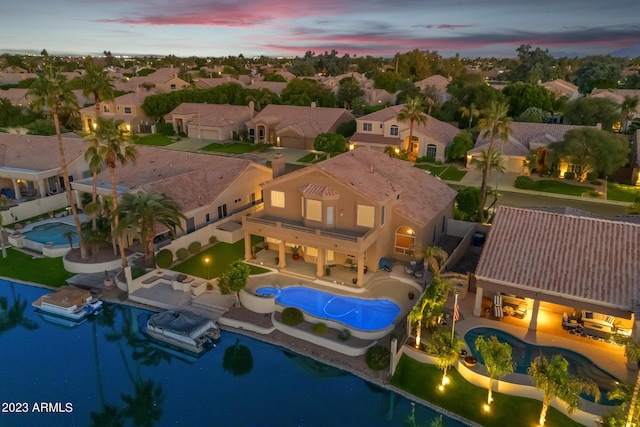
[(313, 105), (277, 165), (252, 109)]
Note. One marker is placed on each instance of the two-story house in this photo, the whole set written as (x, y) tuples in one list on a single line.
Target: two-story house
[(218, 122), (358, 206), (382, 128), (295, 126), (127, 108)]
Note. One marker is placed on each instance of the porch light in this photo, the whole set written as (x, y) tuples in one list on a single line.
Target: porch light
[(397, 150), (486, 407), (128, 128), (351, 146), (94, 125)]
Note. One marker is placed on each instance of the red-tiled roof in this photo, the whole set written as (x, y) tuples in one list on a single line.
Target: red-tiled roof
[(38, 153), (592, 259)]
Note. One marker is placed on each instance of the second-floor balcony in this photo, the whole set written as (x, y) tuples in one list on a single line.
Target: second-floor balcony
[(296, 232)]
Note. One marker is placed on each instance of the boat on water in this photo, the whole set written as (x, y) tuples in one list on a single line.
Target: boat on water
[(68, 302), (183, 329)]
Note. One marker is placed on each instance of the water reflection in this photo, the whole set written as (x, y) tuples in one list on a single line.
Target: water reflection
[(237, 359), (12, 314)]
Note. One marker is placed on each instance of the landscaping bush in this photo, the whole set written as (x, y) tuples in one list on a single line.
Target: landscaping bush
[(167, 129), (525, 183), (320, 329), (291, 316), (213, 240), (182, 254), (554, 174), (592, 176), (594, 193), (164, 258), (569, 175), (378, 357), (344, 335), (194, 247)]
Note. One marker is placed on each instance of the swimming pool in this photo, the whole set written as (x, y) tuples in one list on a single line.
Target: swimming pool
[(359, 313), (523, 353), (53, 232), (108, 370)]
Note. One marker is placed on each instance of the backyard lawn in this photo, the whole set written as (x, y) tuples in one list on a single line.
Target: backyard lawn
[(232, 147), (465, 399), (447, 173), (21, 266), (622, 193), (156, 140), (221, 255)]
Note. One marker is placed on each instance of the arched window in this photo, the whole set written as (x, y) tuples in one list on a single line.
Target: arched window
[(431, 150), (393, 131), (405, 239)]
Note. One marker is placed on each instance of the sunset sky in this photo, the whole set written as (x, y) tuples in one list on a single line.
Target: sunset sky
[(290, 28)]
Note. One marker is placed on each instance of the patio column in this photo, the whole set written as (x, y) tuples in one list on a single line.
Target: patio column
[(16, 189), (534, 315), (320, 262), (41, 189), (477, 308), (247, 246), (281, 253), (360, 275)]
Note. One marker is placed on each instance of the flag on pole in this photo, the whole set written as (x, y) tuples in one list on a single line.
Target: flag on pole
[(456, 313)]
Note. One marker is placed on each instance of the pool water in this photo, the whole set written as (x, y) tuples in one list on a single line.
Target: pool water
[(53, 232), (523, 353), (359, 313), (107, 370)]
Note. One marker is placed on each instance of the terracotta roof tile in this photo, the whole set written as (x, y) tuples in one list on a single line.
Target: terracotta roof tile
[(592, 259), (38, 153), (307, 121)]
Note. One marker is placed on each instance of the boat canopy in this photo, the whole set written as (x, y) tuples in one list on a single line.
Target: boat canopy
[(179, 322)]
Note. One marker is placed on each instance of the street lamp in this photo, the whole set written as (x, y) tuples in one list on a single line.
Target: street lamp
[(207, 260)]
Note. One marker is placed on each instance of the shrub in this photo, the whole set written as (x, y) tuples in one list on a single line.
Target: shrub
[(320, 329), (291, 316), (344, 335), (194, 247), (569, 175), (525, 183), (164, 258), (555, 173), (595, 182), (167, 129), (213, 240), (594, 193), (592, 176), (182, 254), (377, 358)]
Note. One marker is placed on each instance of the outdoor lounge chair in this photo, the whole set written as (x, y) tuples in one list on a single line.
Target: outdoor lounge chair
[(497, 306), (568, 323)]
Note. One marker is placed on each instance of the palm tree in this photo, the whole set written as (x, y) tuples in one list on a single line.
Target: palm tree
[(434, 258), (497, 359), (114, 148), (553, 378), (494, 124), (412, 112), (52, 89), (633, 353), (430, 305), (446, 349), (142, 211), (470, 112), (96, 162), (96, 82)]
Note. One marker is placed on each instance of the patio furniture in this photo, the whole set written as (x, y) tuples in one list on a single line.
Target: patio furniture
[(569, 323), (497, 306)]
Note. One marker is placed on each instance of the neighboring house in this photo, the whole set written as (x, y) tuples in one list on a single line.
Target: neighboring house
[(560, 263), (294, 126), (15, 78), (438, 84), (210, 121), (382, 128), (30, 169), (275, 87), (635, 176), (208, 188), (379, 96), (162, 80), (353, 208), (618, 96), (208, 83), (127, 108), (562, 88), (17, 97), (524, 138)]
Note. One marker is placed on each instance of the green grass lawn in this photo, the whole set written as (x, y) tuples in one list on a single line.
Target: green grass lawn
[(465, 399), (156, 140), (221, 254), (447, 173), (559, 187), (21, 266), (622, 193), (232, 147), (313, 158)]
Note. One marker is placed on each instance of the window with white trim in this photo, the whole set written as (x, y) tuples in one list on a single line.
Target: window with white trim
[(277, 199), (127, 110), (366, 216), (393, 131), (431, 150), (367, 127)]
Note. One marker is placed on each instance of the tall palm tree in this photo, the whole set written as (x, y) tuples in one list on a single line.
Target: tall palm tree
[(96, 82), (430, 306), (553, 378), (412, 112), (494, 125), (52, 90), (497, 359), (633, 353), (142, 211), (434, 258), (114, 148), (470, 112), (446, 349), (96, 163)]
